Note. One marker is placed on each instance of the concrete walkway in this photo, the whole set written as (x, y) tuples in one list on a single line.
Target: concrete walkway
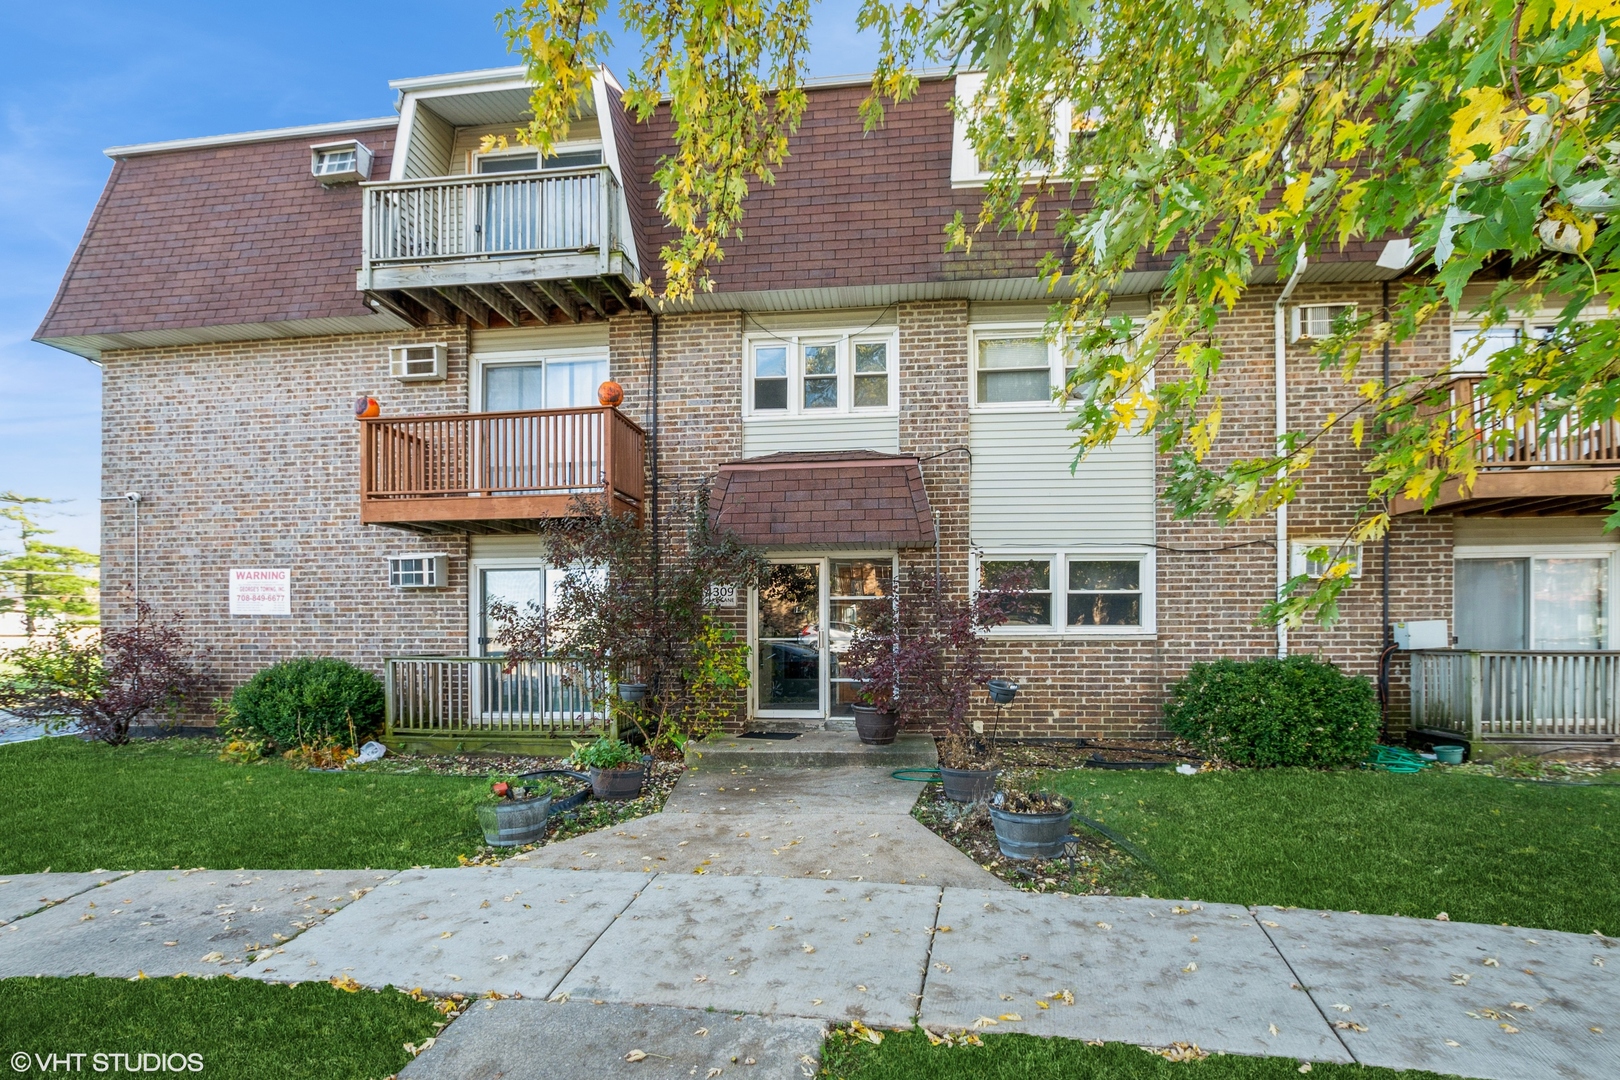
[(789, 955), (849, 824)]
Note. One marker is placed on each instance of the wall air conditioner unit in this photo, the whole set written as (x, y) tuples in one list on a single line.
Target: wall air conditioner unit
[(421, 571), (344, 162), (1314, 322), (1300, 561), (417, 363)]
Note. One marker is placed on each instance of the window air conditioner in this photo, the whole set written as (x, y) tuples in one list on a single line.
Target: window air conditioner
[(417, 363), (425, 571)]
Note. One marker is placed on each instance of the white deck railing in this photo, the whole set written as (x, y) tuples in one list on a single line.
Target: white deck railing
[(1517, 695), (558, 211), (461, 695)]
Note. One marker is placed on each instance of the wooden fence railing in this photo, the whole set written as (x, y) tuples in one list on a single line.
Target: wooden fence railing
[(1517, 695), (562, 210), (1526, 445), (548, 452), (467, 696)]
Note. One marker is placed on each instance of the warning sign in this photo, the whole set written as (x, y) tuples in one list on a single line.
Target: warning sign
[(261, 592)]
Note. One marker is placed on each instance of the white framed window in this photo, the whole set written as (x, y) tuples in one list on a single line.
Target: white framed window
[(1081, 592), (566, 155), (1017, 368), (1472, 346), (1314, 322), (821, 373), (553, 379), (1301, 561), (1553, 597), (967, 167)]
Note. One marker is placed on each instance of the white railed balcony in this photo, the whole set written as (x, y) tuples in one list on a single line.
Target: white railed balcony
[(1483, 696), (551, 225)]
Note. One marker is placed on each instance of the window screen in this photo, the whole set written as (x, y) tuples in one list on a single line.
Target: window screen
[(770, 377), (1105, 593)]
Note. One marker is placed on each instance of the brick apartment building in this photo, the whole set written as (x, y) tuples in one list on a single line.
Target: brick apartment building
[(855, 396)]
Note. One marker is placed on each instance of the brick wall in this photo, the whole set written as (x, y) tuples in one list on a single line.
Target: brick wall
[(247, 455)]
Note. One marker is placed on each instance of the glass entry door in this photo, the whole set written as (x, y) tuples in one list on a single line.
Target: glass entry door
[(806, 616)]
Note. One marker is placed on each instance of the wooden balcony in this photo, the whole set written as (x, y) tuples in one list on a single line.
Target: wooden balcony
[(1525, 472), (508, 248), (498, 472), (1517, 696)]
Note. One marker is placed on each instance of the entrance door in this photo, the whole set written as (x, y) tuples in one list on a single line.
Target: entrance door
[(806, 615)]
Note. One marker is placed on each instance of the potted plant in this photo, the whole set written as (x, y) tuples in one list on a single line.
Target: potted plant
[(515, 811), (615, 768), (919, 660), (1031, 825)]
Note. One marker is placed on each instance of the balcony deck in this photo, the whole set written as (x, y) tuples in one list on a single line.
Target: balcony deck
[(1524, 471), (498, 472), (540, 247), (1526, 696)]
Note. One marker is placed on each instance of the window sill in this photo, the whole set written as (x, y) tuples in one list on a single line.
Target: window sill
[(1137, 633), (818, 414)]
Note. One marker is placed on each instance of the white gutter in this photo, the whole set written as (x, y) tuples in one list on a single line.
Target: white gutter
[(1280, 325), (342, 127)]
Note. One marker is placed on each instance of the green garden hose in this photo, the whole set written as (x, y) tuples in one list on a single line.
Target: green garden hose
[(928, 776), (1395, 759)]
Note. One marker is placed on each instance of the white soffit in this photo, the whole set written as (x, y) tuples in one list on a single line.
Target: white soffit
[(342, 127), (91, 346)]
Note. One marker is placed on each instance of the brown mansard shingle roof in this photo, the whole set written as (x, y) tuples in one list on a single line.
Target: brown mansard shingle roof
[(216, 236), (838, 499)]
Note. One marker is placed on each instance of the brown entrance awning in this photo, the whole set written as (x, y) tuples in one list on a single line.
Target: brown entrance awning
[(834, 499)]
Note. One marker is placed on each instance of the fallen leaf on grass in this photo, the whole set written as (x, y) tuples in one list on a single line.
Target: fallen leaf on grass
[(1179, 1052), (861, 1031), (1304, 1066), (345, 982)]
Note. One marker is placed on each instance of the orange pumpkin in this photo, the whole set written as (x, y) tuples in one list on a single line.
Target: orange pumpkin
[(610, 394), (365, 408)]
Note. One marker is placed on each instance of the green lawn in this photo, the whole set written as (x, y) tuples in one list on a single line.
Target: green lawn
[(71, 805), (908, 1056), (1480, 849), (243, 1029)]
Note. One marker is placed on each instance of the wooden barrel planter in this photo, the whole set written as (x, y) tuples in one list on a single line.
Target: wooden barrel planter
[(876, 727), (1032, 836), (514, 822), (624, 783), (968, 785)]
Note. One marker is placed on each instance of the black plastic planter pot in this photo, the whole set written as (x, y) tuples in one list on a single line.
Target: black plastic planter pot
[(514, 822), (632, 691), (1001, 691), (876, 727), (621, 783), (968, 785), (1031, 836)]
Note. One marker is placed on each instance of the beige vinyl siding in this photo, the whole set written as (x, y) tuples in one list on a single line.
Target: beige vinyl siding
[(1023, 495), (467, 140), (429, 152), (801, 435), (508, 546), (1529, 531), (540, 338)]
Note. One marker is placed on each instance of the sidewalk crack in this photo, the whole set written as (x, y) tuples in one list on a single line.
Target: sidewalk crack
[(633, 898), (928, 956), (1255, 915)]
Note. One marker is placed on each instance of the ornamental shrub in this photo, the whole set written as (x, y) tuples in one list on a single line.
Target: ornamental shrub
[(1297, 711), (304, 701)]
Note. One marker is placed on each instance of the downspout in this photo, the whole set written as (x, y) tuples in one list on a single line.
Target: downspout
[(652, 440), (1388, 644), (1280, 326)]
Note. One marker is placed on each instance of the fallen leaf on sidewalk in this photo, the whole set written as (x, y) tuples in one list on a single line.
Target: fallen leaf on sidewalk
[(1509, 1028), (1452, 1042), (701, 1031), (1341, 1006), (1349, 1025), (984, 1022), (1064, 996), (1268, 922), (345, 982), (808, 948), (1006, 997), (636, 1055), (213, 958), (1190, 968), (1100, 926), (700, 978), (1521, 1006), (1012, 1018), (485, 904), (1042, 1005), (1459, 979), (1273, 1028)]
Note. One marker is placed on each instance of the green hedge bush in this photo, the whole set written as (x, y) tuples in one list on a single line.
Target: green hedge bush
[(1297, 711), (301, 701)]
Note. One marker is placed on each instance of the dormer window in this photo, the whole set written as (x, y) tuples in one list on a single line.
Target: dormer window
[(343, 162)]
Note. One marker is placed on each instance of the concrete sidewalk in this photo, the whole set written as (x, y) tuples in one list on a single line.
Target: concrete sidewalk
[(790, 955)]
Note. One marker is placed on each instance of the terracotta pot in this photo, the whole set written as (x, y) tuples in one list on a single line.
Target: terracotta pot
[(610, 394), (876, 727), (968, 785)]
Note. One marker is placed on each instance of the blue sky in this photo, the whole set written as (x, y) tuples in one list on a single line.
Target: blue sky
[(80, 77)]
